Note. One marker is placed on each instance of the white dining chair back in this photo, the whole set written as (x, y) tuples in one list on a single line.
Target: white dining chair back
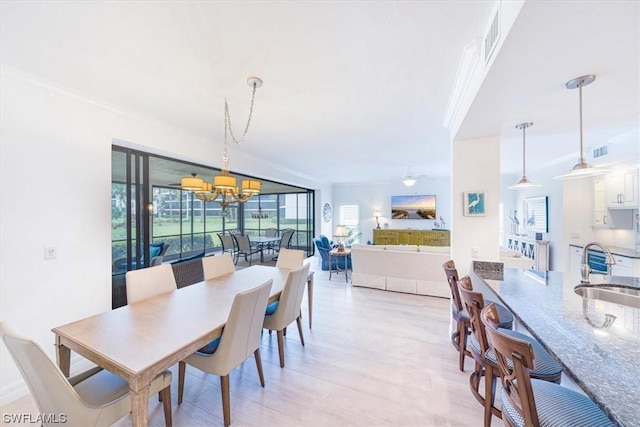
[(290, 259), (216, 266), (240, 338), (288, 308), (93, 398), (241, 334), (149, 282)]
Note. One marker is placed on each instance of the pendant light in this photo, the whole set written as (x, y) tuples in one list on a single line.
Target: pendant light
[(524, 183), (582, 169)]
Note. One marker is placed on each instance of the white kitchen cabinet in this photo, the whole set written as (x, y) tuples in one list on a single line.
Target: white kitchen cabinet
[(622, 267), (575, 260), (622, 190), (602, 215)]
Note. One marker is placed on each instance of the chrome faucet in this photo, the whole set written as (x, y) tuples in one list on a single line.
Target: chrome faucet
[(585, 270)]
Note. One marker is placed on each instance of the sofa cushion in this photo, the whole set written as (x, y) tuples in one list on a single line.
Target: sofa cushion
[(435, 249), (359, 246), (155, 249), (405, 248)]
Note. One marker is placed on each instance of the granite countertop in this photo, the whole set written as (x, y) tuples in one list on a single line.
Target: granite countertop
[(625, 252), (602, 357)]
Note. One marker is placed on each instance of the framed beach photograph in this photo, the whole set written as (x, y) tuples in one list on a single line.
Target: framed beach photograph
[(474, 204), (413, 207)]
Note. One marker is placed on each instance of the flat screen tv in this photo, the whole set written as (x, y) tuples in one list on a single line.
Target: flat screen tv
[(413, 207)]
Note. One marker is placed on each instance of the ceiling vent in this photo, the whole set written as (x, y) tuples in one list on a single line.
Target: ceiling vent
[(600, 151), (492, 36)]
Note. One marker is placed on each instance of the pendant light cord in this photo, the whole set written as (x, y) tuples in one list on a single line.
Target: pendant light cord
[(581, 146), (524, 151)]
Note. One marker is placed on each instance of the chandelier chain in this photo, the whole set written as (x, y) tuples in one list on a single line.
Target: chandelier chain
[(227, 121)]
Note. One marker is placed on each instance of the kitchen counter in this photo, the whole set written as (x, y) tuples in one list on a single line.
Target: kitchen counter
[(603, 358)]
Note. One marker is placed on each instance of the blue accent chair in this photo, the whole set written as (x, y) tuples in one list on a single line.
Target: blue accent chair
[(324, 247)]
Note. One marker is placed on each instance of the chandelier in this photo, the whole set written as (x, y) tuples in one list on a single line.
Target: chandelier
[(224, 189)]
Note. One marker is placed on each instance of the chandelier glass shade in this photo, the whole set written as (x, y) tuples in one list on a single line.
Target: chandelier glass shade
[(224, 189), (524, 182)]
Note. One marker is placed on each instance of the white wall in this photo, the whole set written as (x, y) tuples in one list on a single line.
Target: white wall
[(470, 174), (55, 182), (372, 196)]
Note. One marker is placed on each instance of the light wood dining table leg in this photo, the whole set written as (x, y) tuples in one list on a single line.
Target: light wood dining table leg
[(63, 357), (139, 406), (310, 296)]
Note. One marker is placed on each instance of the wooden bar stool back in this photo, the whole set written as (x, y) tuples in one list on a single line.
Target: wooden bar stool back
[(530, 402), (459, 335), (547, 368)]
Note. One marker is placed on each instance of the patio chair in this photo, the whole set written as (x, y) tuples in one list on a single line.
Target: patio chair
[(244, 247)]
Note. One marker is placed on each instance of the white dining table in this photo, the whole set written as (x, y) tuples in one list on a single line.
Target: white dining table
[(140, 340)]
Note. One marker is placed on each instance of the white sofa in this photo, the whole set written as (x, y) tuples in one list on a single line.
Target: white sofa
[(401, 268)]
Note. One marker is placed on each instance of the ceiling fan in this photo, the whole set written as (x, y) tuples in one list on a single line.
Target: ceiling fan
[(410, 178)]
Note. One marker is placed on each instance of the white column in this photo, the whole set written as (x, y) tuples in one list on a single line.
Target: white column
[(475, 167)]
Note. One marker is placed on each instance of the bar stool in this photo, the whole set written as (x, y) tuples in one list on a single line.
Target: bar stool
[(461, 317), (546, 368), (531, 402)]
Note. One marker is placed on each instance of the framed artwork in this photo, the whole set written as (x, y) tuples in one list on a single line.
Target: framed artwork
[(474, 204), (413, 207), (536, 214)]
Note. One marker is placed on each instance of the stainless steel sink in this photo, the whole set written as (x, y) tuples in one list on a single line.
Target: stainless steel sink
[(611, 293)]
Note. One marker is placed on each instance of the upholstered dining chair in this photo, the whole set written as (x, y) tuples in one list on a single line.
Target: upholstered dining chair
[(546, 368), (531, 402), (244, 247), (240, 337), (215, 266), (290, 259), (93, 398), (283, 312), (461, 317), (149, 282)]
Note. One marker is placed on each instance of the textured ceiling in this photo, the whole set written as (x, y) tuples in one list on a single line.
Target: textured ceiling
[(360, 86)]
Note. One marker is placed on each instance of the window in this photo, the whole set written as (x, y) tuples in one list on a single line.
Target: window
[(350, 217), (148, 206)]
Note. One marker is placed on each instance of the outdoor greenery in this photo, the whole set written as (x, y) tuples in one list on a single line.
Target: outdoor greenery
[(189, 225)]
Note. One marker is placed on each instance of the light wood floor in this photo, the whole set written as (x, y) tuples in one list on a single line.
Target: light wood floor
[(372, 358)]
